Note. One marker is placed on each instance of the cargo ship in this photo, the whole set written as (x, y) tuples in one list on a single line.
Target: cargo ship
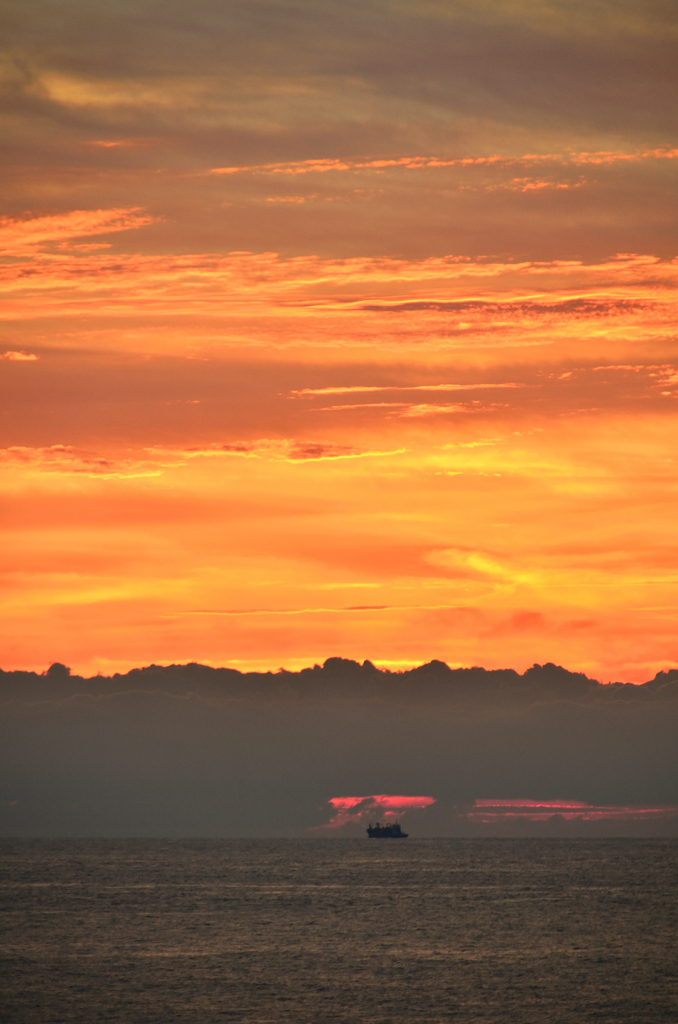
[(386, 831)]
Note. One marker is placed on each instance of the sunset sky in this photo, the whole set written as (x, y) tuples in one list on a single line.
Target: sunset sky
[(341, 328)]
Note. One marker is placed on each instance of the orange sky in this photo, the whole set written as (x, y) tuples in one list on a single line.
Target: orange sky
[(340, 330)]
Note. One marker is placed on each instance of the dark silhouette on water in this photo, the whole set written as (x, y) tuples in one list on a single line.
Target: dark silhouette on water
[(386, 831), (185, 750)]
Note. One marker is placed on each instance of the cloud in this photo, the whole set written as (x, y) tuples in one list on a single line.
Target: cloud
[(418, 163), (312, 280), (348, 809), (132, 143), (284, 611), (358, 388), (407, 409), (20, 236), (288, 450), (483, 564), (427, 409), (579, 307), (437, 66), (289, 199), (310, 301), (19, 357), (348, 407), (67, 459), (500, 811)]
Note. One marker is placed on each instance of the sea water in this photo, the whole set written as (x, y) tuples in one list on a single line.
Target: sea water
[(339, 930)]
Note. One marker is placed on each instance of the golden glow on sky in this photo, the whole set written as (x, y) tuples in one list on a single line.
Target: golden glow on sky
[(275, 388)]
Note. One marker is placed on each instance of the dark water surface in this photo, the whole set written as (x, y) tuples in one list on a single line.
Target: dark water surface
[(339, 930)]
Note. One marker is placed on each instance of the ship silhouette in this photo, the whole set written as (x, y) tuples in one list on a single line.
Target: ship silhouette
[(386, 831)]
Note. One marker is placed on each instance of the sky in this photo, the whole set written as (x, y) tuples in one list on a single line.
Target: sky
[(339, 329)]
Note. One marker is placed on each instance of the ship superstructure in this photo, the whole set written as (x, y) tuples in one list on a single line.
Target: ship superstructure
[(386, 831)]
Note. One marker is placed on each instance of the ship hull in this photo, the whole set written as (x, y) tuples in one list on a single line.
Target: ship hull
[(386, 832)]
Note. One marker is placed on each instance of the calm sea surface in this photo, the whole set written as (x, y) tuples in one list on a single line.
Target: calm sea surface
[(339, 930)]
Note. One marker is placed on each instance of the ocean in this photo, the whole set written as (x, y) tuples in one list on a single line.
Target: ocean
[(354, 930)]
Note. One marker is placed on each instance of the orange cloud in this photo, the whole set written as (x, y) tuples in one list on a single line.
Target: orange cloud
[(324, 166), (20, 236), (355, 389), (132, 143), (433, 304), (288, 450), (289, 199), (407, 408), (66, 459)]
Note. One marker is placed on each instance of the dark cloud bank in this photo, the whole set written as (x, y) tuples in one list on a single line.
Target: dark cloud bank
[(188, 750)]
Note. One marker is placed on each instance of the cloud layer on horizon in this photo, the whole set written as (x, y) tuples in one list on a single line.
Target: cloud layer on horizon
[(189, 751)]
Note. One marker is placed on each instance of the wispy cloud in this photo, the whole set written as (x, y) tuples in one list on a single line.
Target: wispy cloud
[(406, 408), (493, 811), (428, 409), (287, 450), (358, 388), (415, 163), (19, 357), (69, 460), (18, 236), (447, 301), (136, 142), (153, 461), (315, 610)]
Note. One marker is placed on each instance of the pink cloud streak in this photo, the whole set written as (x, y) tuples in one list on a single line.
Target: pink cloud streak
[(493, 811), (385, 805)]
